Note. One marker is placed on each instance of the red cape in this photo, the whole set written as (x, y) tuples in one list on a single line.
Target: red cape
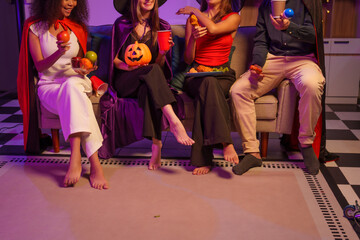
[(26, 84)]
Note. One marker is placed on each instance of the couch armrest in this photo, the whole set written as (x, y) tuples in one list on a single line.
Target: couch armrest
[(287, 96)]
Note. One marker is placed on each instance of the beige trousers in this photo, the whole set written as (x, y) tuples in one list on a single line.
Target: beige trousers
[(309, 81)]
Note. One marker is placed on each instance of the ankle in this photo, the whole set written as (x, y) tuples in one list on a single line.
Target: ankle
[(95, 168), (226, 144), (255, 154), (305, 145), (157, 142)]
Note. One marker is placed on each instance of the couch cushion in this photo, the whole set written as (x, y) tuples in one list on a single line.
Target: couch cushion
[(179, 67), (266, 107), (48, 119), (243, 43), (100, 42)]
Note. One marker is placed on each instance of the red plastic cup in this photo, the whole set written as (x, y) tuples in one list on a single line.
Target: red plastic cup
[(98, 85), (163, 39)]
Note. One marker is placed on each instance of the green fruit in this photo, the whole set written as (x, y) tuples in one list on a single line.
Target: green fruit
[(92, 56)]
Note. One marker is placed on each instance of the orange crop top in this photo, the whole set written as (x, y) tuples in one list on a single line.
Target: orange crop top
[(214, 50)]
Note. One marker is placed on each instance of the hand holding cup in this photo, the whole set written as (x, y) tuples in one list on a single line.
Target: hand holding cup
[(164, 40)]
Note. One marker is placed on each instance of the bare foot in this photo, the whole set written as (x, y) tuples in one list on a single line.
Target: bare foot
[(201, 170), (230, 154), (180, 134), (97, 179), (155, 161), (73, 174)]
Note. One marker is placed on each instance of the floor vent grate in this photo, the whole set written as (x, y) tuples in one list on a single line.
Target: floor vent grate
[(139, 162), (2, 163), (331, 218)]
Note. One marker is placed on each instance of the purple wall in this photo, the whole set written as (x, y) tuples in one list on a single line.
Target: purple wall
[(103, 12)]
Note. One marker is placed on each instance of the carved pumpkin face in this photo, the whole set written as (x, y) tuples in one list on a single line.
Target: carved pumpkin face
[(137, 54)]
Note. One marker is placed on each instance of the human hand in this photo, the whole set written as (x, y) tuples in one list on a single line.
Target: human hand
[(198, 32), (131, 68), (63, 46), (186, 10), (256, 73), (84, 71), (280, 23)]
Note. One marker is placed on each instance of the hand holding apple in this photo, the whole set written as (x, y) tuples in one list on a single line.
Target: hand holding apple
[(63, 43), (256, 68), (256, 73)]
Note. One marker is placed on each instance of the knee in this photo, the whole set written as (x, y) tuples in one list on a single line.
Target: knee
[(72, 86), (210, 83), (156, 68), (239, 89), (313, 86), (70, 83)]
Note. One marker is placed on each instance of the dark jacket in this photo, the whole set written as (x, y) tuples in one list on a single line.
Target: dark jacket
[(267, 38)]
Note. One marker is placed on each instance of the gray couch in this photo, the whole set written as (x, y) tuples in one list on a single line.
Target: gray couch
[(275, 111)]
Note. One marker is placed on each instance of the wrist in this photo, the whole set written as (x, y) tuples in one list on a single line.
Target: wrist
[(195, 11), (60, 52)]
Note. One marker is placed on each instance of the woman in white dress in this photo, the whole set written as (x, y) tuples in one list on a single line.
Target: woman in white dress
[(62, 90)]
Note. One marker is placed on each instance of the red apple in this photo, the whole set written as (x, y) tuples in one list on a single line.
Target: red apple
[(75, 62), (63, 36)]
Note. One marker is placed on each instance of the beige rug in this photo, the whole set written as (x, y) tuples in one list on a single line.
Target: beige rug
[(276, 201)]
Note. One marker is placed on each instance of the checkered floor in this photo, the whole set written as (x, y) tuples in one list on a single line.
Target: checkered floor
[(343, 138), (343, 135)]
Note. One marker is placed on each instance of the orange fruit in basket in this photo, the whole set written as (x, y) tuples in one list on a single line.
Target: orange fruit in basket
[(86, 63)]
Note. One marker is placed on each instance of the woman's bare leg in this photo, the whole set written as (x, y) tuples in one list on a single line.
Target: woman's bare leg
[(176, 126), (74, 171), (155, 161)]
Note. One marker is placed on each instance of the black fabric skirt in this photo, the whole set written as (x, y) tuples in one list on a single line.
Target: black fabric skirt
[(212, 125), (147, 84)]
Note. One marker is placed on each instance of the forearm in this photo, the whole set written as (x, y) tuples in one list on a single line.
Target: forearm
[(261, 46), (189, 54), (302, 32), (46, 63), (259, 55), (160, 60), (120, 64), (40, 62), (226, 26), (205, 21), (261, 41)]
